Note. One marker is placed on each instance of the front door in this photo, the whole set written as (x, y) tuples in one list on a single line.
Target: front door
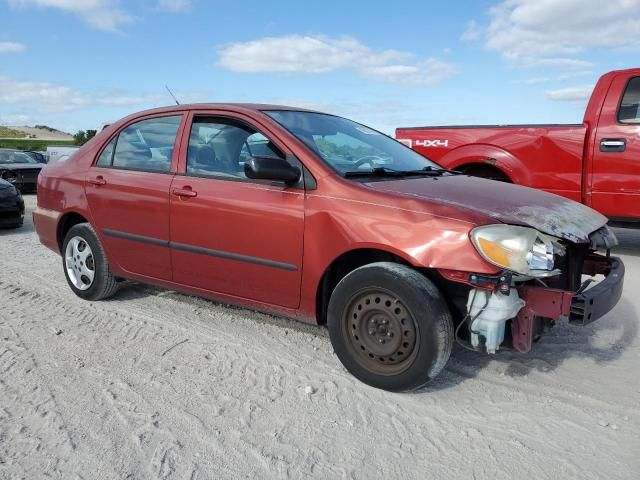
[(615, 180), (128, 193), (230, 234)]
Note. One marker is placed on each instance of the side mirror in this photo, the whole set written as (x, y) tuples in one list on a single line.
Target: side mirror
[(271, 168)]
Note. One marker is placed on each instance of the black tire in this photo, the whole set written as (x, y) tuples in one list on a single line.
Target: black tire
[(104, 284), (412, 307)]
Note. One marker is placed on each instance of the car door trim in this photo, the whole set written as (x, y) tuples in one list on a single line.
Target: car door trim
[(199, 250), (232, 256), (135, 237)]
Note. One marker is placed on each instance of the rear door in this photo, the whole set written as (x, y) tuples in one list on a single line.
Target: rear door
[(231, 234), (128, 193), (615, 179)]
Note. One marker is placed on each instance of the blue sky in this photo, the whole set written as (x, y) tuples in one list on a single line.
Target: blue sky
[(76, 64)]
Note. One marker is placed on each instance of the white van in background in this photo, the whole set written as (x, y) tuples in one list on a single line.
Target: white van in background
[(59, 153)]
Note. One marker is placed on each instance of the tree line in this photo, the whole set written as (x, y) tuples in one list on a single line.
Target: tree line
[(83, 136)]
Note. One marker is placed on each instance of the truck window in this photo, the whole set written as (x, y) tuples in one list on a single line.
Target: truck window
[(629, 111)]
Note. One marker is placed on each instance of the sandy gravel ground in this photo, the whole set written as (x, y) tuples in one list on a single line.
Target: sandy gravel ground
[(155, 384)]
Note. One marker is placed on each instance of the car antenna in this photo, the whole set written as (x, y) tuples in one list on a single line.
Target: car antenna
[(172, 95)]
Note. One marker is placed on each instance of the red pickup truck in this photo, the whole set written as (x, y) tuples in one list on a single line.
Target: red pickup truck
[(596, 162)]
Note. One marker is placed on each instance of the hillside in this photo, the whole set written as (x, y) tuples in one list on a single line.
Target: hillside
[(37, 132), (7, 132)]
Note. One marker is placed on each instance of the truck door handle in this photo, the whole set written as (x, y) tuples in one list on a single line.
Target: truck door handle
[(98, 181), (613, 145), (184, 192)]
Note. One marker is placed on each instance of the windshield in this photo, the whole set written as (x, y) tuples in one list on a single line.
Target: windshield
[(348, 146), (8, 158)]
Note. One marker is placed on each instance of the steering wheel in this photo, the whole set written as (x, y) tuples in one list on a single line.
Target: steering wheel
[(366, 159)]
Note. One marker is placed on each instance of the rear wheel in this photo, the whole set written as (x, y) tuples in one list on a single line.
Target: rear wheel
[(390, 326), (85, 264)]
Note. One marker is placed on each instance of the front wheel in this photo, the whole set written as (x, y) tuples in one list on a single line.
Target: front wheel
[(390, 326), (85, 264)]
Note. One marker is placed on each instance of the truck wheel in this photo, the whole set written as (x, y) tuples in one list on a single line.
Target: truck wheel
[(390, 326), (85, 264)]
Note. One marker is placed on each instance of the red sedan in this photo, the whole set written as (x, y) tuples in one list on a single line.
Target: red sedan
[(319, 218)]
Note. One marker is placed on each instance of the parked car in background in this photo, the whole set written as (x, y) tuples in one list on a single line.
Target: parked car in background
[(325, 220), (19, 169), (39, 157), (11, 206), (57, 153), (596, 162)]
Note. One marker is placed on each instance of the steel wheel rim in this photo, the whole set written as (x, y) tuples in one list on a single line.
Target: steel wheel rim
[(79, 263), (381, 330)]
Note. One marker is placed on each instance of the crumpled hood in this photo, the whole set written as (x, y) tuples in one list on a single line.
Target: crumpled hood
[(507, 203)]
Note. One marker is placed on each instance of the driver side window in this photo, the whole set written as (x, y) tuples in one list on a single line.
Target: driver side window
[(219, 147)]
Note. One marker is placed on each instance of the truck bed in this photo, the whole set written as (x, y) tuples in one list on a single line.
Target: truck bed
[(549, 157)]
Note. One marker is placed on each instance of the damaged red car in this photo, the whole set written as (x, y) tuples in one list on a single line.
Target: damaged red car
[(319, 218)]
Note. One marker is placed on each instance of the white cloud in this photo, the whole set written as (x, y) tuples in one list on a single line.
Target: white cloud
[(100, 14), (472, 32), (11, 47), (538, 80), (551, 32), (577, 94), (554, 62), (582, 73), (17, 119), (297, 54), (174, 5), (560, 78), (52, 97)]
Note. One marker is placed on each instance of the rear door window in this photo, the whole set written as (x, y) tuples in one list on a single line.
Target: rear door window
[(629, 111), (147, 145)]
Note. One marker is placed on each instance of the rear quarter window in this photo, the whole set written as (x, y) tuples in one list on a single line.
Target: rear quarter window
[(104, 160), (629, 111)]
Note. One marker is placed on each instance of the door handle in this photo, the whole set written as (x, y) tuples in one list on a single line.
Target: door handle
[(613, 145), (98, 181), (184, 192)]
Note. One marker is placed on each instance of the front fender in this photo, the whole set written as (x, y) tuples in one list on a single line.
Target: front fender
[(335, 226)]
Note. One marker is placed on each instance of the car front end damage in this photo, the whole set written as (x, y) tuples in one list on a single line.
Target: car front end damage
[(569, 281)]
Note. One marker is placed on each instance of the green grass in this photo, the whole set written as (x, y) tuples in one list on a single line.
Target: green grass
[(11, 133), (30, 144)]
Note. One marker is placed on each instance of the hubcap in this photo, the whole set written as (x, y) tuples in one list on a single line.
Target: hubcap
[(80, 263), (381, 330)]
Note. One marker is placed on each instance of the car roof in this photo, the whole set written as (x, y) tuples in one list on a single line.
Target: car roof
[(234, 107)]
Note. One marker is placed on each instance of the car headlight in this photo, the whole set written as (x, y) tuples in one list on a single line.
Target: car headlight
[(520, 250)]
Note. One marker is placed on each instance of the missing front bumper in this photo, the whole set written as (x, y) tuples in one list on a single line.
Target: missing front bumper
[(580, 307), (592, 303)]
